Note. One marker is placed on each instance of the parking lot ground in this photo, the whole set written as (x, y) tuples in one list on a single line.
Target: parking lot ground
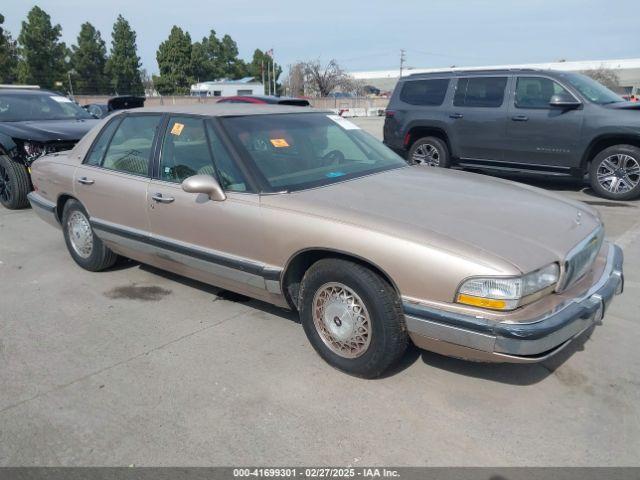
[(137, 366)]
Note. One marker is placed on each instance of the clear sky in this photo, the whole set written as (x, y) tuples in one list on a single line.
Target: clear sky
[(368, 34)]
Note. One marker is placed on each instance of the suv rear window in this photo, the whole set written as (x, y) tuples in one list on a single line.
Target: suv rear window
[(424, 92), (480, 92)]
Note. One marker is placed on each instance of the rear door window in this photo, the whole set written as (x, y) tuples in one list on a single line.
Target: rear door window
[(130, 147), (480, 92), (424, 92), (100, 145)]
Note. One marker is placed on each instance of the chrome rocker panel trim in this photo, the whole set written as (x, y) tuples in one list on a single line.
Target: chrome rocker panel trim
[(233, 268), (530, 341), (45, 209)]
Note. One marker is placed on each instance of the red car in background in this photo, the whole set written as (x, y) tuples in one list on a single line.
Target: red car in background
[(265, 99)]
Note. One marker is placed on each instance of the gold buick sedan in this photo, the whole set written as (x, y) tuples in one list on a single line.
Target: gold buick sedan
[(302, 209)]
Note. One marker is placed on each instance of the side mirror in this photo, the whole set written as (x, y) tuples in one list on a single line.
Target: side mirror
[(204, 184), (564, 101)]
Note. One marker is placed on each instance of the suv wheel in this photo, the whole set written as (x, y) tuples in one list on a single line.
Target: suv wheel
[(14, 184), (352, 317), (429, 151), (615, 172), (85, 247)]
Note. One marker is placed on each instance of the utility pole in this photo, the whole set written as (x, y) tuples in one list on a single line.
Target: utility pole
[(402, 60), (273, 66)]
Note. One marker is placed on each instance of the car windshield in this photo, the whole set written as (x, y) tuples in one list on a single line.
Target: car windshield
[(592, 90), (298, 151), (21, 107)]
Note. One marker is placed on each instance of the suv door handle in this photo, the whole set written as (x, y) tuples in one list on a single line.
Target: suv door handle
[(456, 115), (86, 181), (158, 197), (520, 118)]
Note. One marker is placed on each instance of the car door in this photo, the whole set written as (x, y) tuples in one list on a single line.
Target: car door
[(112, 181), (538, 134), (478, 118), (218, 242)]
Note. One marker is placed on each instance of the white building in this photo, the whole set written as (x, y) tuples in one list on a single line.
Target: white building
[(627, 70), (227, 88)]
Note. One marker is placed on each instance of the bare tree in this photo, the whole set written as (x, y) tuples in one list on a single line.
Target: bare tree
[(605, 76), (324, 80), (294, 83)]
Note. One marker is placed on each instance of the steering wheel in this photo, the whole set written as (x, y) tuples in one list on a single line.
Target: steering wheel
[(334, 157)]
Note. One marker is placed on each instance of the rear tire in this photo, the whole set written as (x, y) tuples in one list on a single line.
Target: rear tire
[(86, 249), (352, 317), (430, 151), (614, 173), (14, 184)]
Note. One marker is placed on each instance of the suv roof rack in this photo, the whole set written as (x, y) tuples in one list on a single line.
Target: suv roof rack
[(475, 71)]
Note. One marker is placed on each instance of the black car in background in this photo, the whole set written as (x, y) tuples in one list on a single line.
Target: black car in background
[(33, 123), (101, 110), (532, 121)]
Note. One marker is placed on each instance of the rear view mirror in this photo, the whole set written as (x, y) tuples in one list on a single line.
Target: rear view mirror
[(564, 101), (204, 184)]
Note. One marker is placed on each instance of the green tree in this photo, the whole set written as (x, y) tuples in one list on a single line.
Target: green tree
[(230, 64), (199, 63), (206, 58), (261, 62), (8, 56), (123, 65), (89, 59), (174, 62), (42, 53)]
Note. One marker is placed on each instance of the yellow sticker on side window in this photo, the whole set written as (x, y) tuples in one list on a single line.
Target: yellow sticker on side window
[(177, 128), (279, 142)]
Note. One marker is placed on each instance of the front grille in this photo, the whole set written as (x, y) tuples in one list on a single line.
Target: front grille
[(581, 258)]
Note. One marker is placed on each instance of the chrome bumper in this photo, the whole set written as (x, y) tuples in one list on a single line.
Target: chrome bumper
[(45, 209), (535, 340)]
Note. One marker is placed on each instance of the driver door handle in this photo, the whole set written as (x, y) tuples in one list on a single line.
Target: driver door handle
[(86, 181), (456, 115), (520, 118), (158, 197)]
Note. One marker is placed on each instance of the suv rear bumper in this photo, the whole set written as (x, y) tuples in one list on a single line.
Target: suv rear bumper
[(535, 340)]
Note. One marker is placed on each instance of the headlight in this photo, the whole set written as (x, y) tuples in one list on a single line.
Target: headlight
[(34, 150), (506, 293)]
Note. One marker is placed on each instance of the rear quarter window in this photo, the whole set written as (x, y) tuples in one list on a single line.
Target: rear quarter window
[(424, 92)]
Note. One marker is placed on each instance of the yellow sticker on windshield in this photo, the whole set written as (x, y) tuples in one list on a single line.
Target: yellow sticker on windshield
[(279, 142), (177, 128)]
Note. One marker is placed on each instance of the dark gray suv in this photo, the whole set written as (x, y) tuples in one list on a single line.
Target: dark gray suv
[(533, 121)]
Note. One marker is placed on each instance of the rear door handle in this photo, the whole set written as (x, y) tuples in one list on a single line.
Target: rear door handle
[(520, 118), (86, 181), (158, 197), (456, 115)]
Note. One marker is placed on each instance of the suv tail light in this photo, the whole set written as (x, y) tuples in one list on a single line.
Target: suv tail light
[(389, 113)]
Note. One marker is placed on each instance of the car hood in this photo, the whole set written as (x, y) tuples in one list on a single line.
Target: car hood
[(48, 130), (471, 215), (623, 106)]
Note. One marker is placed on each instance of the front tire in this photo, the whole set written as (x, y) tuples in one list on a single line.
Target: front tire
[(86, 249), (615, 172), (14, 184), (352, 317), (429, 151)]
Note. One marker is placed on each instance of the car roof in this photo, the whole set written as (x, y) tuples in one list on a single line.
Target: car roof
[(227, 109)]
